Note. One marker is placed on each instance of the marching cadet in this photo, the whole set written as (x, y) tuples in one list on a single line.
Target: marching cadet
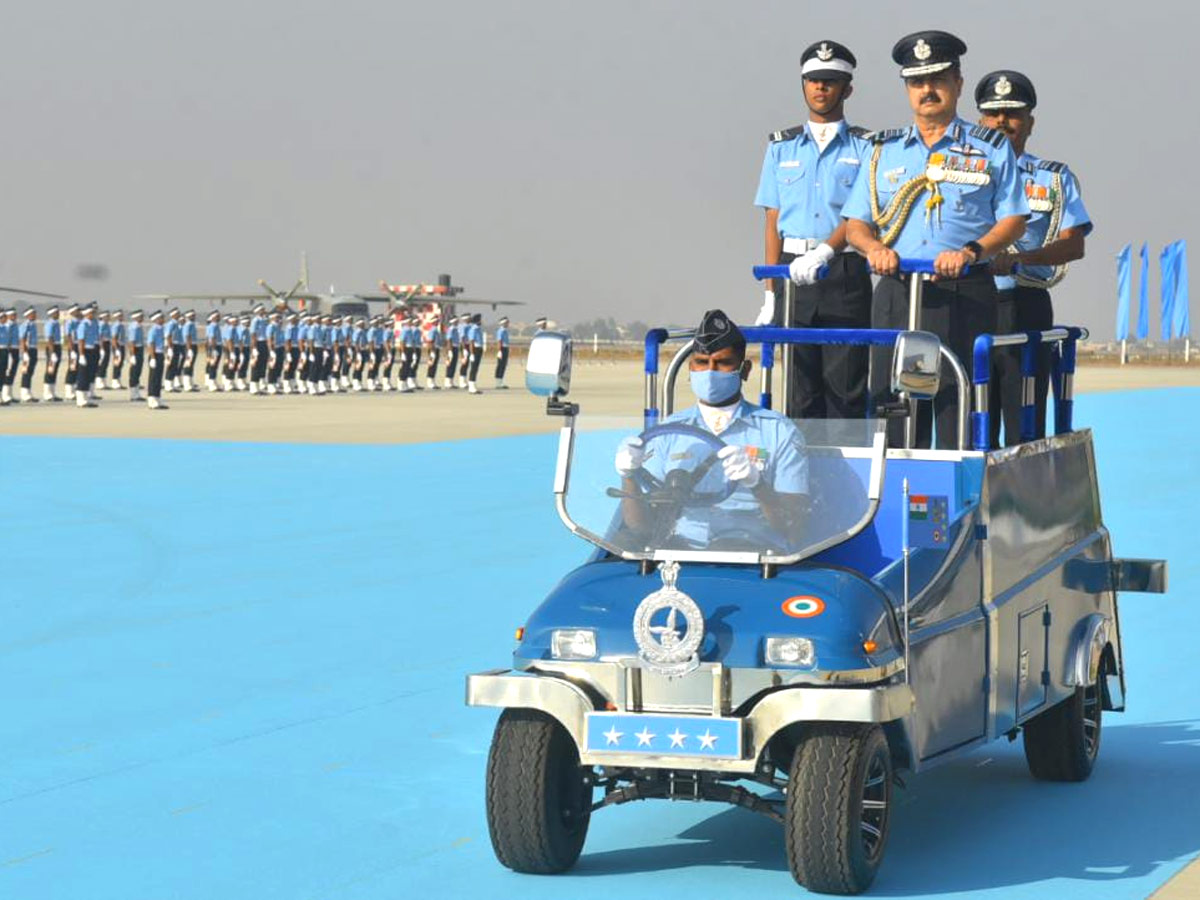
[(14, 350), (243, 337), (27, 346), (501, 352), (156, 340), (189, 357), (70, 332), (173, 335), (291, 349), (101, 373), (5, 391), (87, 342), (806, 177), (53, 335), (391, 350), (258, 351), (1054, 237), (212, 350), (137, 353), (452, 347), (229, 351), (331, 355), (355, 351), (464, 349), (275, 352), (410, 341), (475, 338), (315, 357), (971, 208), (345, 353), (433, 339), (119, 352), (379, 349)]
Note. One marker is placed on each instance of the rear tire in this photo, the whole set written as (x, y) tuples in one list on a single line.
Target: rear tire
[(538, 802), (838, 808), (1062, 743)]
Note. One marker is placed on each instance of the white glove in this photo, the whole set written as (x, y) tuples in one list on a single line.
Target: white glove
[(253, 356), (630, 456), (190, 356), (766, 315), (25, 359), (74, 357), (54, 359), (303, 358), (738, 465), (153, 363), (804, 269)]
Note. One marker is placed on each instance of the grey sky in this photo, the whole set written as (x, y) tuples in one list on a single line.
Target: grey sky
[(589, 158)]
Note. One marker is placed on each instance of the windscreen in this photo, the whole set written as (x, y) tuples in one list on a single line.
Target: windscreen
[(752, 482)]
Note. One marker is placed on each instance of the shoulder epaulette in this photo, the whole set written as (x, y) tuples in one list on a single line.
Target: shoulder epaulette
[(1051, 166), (785, 134), (887, 134), (990, 135), (858, 131)]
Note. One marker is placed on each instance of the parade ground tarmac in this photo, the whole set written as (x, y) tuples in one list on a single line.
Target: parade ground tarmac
[(234, 667)]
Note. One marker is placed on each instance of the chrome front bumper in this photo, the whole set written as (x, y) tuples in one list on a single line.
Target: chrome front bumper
[(570, 705)]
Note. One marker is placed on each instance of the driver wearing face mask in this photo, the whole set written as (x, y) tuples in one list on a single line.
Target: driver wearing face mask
[(763, 455)]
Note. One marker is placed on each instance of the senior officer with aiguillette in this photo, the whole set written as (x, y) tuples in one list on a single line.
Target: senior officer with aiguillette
[(1054, 236), (940, 189), (806, 177)]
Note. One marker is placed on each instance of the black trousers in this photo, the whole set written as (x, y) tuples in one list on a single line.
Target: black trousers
[(52, 362), (10, 366), (431, 369), (465, 368), (102, 363), (190, 362), (118, 361), (476, 359), (259, 372), (389, 360), (347, 359), (155, 381), (27, 375), (957, 312), (1019, 309), (86, 370), (415, 364), (213, 362), (135, 366), (243, 361), (276, 371), (376, 361), (178, 354), (330, 360), (502, 363), (829, 382), (3, 366), (451, 360)]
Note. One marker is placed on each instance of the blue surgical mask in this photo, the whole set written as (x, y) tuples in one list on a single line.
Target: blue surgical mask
[(714, 387)]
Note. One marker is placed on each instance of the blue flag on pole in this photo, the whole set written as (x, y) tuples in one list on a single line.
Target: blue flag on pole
[(1143, 320), (1179, 279), (1166, 290), (1123, 293)]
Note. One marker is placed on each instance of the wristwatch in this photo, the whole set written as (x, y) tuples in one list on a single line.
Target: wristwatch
[(976, 249)]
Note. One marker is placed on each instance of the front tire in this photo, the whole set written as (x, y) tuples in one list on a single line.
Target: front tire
[(838, 808), (539, 798), (1062, 743)]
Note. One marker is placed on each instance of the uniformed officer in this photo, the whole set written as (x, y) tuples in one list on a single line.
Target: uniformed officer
[(940, 189), (245, 345), (477, 347), (346, 353), (175, 349), (119, 352), (502, 342), (189, 351), (27, 347), (156, 340), (6, 396), (101, 374), (87, 340), (258, 351), (213, 349), (291, 349), (53, 336), (276, 352), (14, 349), (432, 339), (229, 352), (452, 346), (137, 353), (806, 176), (331, 354), (764, 454), (464, 349), (70, 333), (391, 348), (1054, 237), (414, 360)]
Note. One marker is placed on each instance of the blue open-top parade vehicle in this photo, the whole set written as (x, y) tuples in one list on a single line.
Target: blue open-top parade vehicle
[(915, 605)]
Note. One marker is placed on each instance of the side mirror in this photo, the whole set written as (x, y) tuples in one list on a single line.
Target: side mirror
[(548, 368), (916, 364)]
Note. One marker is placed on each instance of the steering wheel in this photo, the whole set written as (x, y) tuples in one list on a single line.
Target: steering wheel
[(679, 485)]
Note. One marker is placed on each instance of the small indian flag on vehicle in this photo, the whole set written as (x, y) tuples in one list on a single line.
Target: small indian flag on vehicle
[(918, 506)]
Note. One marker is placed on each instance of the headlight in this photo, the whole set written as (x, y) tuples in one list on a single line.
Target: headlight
[(573, 643), (791, 651)]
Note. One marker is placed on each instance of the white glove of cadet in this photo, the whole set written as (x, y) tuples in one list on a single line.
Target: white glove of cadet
[(766, 315), (738, 465), (804, 268), (630, 456), (153, 363)]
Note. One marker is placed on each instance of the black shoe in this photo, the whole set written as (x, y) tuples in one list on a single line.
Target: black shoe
[(56, 399)]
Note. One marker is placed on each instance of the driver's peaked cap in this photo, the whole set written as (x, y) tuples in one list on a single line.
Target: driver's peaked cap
[(717, 331)]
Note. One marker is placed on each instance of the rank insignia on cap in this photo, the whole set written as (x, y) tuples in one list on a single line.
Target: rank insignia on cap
[(1003, 86), (922, 50), (824, 52)]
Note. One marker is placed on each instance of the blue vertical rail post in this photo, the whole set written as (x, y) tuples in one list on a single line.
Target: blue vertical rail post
[(655, 337), (1033, 341), (1064, 401), (981, 422), (768, 366)]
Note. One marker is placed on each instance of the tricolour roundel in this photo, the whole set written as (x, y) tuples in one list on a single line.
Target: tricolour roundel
[(803, 607)]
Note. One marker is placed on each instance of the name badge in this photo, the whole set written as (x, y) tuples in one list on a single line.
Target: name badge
[(790, 164), (850, 161)]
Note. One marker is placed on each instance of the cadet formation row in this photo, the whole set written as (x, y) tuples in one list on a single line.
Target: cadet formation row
[(844, 203), (282, 352)]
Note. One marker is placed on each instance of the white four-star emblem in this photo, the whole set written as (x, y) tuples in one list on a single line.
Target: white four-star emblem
[(644, 737), (707, 740), (677, 738), (613, 736)]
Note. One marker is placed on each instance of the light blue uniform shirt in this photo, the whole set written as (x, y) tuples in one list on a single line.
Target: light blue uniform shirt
[(212, 333), (967, 211), (4, 332), (89, 333), (174, 332), (118, 332), (189, 332), (243, 335), (436, 337), (226, 333), (27, 331), (411, 336), (157, 337), (275, 333), (809, 186), (14, 330), (105, 331), (502, 336), (358, 336), (292, 334), (53, 330), (258, 328), (72, 328), (1037, 179), (137, 334)]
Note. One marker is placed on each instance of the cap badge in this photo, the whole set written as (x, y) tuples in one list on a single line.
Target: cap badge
[(824, 52), (922, 50), (1003, 86)]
